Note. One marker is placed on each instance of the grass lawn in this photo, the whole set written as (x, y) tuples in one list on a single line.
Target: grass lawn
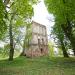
[(38, 66)]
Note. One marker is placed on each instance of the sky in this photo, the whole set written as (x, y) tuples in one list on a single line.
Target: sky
[(41, 16)]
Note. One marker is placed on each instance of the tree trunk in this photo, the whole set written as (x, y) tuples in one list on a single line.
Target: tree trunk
[(11, 54), (68, 32), (23, 52), (64, 50), (71, 38)]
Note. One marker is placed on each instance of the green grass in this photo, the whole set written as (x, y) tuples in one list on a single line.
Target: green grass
[(38, 66)]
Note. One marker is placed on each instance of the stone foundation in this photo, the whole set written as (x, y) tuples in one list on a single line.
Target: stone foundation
[(35, 51)]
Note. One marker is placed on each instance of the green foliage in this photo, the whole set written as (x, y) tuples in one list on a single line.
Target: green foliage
[(61, 9), (22, 7), (28, 35), (51, 49), (64, 13), (5, 51), (3, 26), (14, 14), (23, 12), (60, 51), (1, 50), (61, 41), (57, 32)]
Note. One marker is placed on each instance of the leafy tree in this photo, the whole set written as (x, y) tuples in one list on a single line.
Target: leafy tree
[(27, 38), (18, 12), (64, 12), (60, 39)]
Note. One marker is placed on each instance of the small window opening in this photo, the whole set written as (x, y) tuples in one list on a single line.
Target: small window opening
[(38, 41), (42, 41)]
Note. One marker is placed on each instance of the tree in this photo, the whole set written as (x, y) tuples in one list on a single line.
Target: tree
[(18, 12), (27, 38), (64, 12), (59, 38)]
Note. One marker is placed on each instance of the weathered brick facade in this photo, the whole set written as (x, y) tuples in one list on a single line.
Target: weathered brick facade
[(39, 41)]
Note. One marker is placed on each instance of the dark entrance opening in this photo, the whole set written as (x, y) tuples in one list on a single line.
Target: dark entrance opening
[(41, 50)]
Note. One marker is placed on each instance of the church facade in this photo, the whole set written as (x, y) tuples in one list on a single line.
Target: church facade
[(38, 45)]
